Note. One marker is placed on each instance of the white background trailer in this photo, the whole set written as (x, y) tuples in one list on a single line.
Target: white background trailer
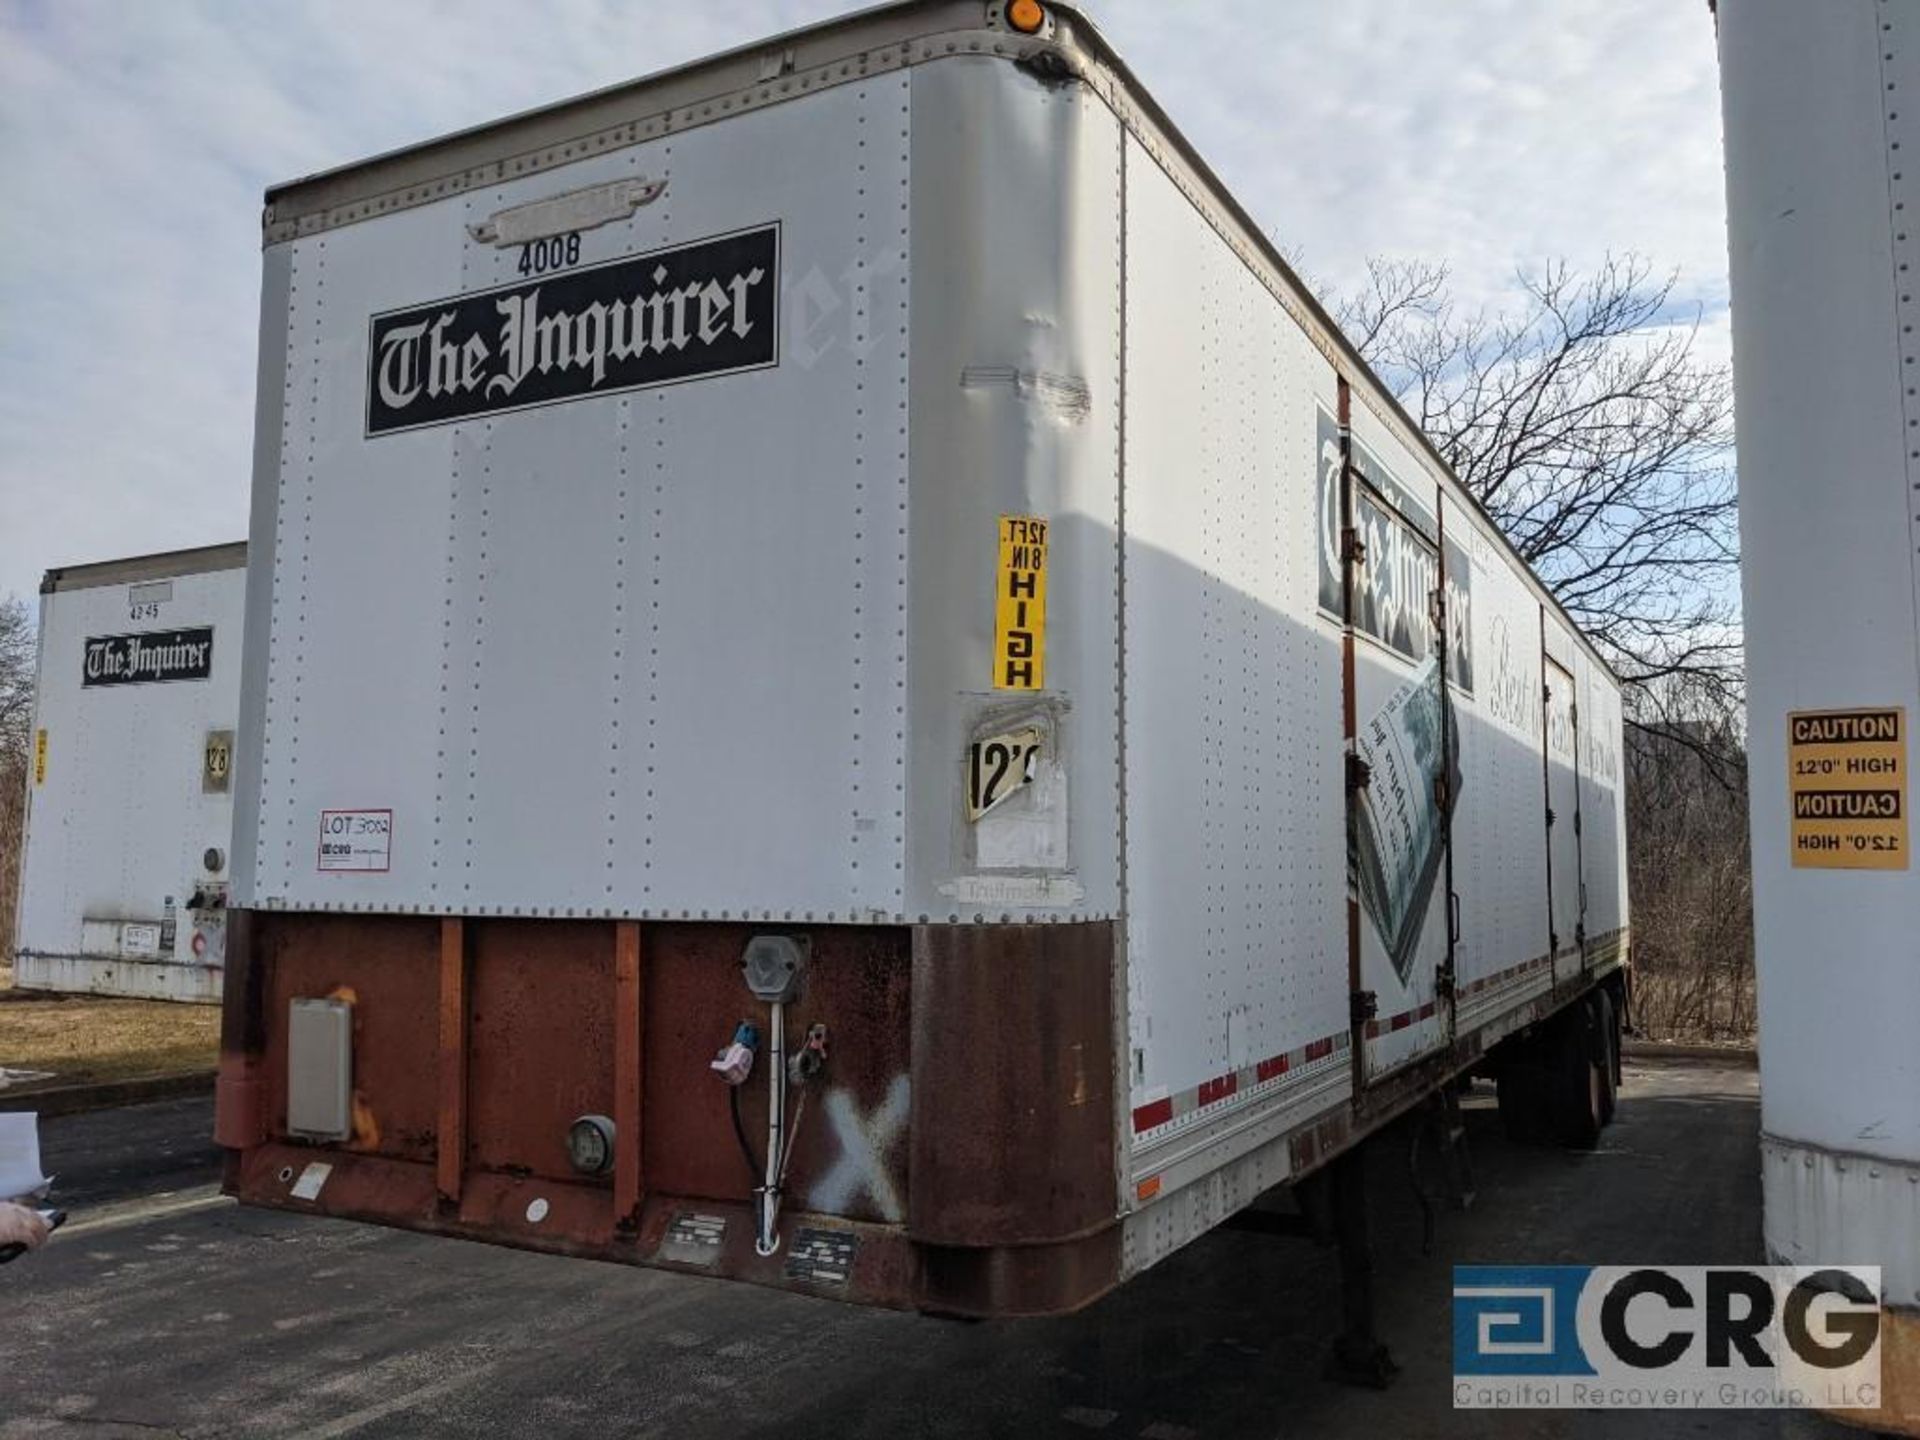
[(129, 809), (1822, 198), (878, 485)]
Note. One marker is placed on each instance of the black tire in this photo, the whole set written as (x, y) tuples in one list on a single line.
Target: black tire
[(1608, 1027), (1525, 1093), (1579, 1076), (1620, 1003)]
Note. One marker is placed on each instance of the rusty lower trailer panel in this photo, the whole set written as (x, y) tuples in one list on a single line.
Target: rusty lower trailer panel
[(947, 1158), (960, 1153)]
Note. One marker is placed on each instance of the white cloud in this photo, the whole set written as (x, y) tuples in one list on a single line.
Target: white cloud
[(137, 138)]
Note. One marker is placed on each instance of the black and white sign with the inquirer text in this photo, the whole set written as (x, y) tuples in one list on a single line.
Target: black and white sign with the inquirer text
[(153, 656), (692, 311)]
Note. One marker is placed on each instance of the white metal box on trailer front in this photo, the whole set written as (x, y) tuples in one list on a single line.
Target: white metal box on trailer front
[(885, 482), (1822, 132), (129, 816)]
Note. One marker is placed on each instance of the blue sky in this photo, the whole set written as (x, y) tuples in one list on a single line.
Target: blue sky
[(136, 138)]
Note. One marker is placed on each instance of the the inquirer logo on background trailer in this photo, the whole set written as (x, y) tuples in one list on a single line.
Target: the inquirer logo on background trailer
[(1661, 1337)]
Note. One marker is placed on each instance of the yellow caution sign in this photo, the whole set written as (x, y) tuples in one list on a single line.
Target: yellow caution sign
[(39, 757), (1020, 605), (1847, 788)]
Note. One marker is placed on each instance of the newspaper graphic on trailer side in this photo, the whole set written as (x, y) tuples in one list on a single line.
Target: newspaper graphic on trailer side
[(1397, 829)]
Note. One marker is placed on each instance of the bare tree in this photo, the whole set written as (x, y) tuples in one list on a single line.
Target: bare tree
[(1586, 422), (16, 676), (17, 639), (1690, 873)]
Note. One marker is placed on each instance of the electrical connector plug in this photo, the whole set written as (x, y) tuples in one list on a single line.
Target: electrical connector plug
[(735, 1061)]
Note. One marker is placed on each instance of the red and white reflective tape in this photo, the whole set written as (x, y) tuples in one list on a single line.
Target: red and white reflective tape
[(1507, 976), (1402, 1021), (1171, 1110), (1166, 1110)]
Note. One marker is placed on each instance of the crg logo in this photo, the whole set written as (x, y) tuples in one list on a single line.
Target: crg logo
[(1646, 1337)]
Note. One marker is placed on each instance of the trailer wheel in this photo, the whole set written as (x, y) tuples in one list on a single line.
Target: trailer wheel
[(1525, 1093), (1622, 1008), (1580, 1077)]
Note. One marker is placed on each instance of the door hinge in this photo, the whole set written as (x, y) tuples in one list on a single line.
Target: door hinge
[(1546, 693), (1441, 792), (1553, 942), (1576, 822), (1366, 1005), (1437, 607), (1550, 817), (1353, 550), (1443, 981), (1359, 773), (1580, 935)]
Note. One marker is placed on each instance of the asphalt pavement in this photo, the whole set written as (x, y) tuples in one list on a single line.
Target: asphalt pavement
[(163, 1309)]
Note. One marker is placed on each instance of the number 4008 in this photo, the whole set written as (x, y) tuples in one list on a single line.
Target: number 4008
[(537, 257)]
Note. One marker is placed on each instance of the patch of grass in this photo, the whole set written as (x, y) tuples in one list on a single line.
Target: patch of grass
[(84, 1038)]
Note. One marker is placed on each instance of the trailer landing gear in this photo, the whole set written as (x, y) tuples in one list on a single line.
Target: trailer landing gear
[(1357, 1357), (1333, 1204), (1439, 1125)]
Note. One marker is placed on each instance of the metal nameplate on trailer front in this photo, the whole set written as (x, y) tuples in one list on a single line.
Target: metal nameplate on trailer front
[(583, 209), (821, 1257), (694, 1239)]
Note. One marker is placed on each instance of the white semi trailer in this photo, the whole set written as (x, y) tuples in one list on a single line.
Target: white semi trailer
[(1823, 194), (874, 504), (123, 883)]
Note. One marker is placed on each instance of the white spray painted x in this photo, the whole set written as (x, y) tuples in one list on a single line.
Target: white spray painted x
[(861, 1168)]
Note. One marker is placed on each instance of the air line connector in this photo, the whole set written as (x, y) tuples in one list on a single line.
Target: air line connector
[(811, 1058)]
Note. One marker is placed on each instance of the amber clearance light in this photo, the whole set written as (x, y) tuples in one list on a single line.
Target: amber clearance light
[(1026, 16)]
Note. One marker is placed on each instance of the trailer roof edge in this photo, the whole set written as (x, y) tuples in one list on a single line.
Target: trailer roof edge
[(162, 565), (574, 128)]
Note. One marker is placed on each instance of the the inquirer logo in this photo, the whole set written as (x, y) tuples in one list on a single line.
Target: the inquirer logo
[(152, 656), (702, 309), (1653, 1337)]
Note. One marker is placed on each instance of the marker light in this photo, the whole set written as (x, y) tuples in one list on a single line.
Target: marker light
[(1026, 16)]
